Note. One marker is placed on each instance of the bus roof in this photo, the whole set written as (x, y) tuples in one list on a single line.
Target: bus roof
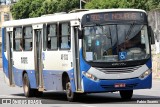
[(61, 17)]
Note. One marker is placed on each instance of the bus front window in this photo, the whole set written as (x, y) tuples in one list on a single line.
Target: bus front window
[(112, 43)]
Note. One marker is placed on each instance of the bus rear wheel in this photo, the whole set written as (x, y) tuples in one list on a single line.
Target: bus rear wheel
[(28, 92), (71, 96), (126, 94)]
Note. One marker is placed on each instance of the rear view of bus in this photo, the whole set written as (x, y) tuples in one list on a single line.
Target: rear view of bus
[(116, 49)]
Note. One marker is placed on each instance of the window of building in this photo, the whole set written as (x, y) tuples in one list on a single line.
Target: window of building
[(6, 16), (28, 38), (52, 37), (18, 45), (65, 36)]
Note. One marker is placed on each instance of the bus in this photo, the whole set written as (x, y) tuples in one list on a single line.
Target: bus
[(87, 51)]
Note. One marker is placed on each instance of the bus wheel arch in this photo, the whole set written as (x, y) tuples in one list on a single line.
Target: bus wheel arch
[(66, 83), (23, 72), (65, 77)]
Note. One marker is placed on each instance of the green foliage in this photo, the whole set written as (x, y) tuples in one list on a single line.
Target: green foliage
[(36, 8), (138, 4)]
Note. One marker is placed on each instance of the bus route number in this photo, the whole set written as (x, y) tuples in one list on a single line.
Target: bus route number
[(24, 60), (64, 56)]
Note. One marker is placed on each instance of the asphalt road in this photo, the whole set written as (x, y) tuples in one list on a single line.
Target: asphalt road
[(145, 96)]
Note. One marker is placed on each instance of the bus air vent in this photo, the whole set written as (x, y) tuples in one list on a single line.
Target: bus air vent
[(118, 70)]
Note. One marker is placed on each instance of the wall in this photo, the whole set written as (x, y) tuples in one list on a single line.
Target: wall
[(5, 15), (154, 22)]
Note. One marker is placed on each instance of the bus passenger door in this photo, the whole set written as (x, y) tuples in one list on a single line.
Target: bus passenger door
[(75, 50), (38, 55), (9, 39)]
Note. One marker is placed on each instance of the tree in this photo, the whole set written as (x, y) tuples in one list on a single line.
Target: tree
[(36, 8), (138, 4), (21, 9)]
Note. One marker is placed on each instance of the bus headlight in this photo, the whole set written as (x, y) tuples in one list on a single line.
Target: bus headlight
[(90, 76), (145, 74)]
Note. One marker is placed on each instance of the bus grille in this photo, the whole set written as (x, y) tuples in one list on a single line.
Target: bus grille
[(119, 70)]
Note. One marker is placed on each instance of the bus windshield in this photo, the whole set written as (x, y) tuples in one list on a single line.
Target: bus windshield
[(116, 42)]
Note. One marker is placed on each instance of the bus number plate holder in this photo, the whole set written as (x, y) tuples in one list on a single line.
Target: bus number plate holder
[(119, 85)]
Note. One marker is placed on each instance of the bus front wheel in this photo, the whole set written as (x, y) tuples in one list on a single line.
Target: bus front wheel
[(28, 92), (126, 94), (70, 95), (38, 93)]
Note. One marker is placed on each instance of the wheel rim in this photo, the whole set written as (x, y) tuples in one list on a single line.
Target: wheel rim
[(68, 90)]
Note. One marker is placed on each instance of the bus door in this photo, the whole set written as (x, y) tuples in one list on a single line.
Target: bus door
[(75, 50), (9, 39), (38, 55)]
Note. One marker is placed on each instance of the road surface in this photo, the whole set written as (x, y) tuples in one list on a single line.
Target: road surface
[(145, 96)]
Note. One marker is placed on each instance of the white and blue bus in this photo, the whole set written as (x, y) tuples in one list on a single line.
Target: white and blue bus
[(79, 52)]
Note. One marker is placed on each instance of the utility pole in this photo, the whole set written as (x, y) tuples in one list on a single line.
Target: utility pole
[(84, 1)]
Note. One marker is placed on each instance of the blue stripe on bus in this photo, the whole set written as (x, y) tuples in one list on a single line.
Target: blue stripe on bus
[(149, 63), (4, 60), (5, 65), (84, 66)]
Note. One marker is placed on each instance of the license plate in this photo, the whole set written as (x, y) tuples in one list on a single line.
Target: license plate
[(119, 85)]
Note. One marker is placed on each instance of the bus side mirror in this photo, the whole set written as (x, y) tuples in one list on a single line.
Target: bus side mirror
[(80, 34), (151, 35)]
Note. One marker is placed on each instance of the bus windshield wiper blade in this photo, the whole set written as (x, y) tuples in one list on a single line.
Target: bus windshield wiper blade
[(129, 30)]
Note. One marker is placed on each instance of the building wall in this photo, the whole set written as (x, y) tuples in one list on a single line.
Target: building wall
[(154, 21), (5, 15)]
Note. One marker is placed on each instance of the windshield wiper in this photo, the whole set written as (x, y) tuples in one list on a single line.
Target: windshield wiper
[(110, 35), (129, 30)]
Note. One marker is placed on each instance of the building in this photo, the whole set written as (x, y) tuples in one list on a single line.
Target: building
[(5, 15), (7, 2)]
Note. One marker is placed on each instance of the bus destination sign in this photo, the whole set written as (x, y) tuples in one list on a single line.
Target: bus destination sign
[(114, 16)]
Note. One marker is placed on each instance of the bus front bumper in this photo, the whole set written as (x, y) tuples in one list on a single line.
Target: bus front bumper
[(111, 85)]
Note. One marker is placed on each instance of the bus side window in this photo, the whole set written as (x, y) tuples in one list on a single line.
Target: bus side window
[(28, 38), (52, 37), (17, 39), (65, 36)]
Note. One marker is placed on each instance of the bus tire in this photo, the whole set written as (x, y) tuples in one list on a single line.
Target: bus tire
[(126, 94), (38, 93), (71, 96), (28, 92)]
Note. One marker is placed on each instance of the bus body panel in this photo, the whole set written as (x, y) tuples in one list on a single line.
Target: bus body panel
[(53, 80), (18, 76), (5, 67), (53, 70), (4, 58)]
